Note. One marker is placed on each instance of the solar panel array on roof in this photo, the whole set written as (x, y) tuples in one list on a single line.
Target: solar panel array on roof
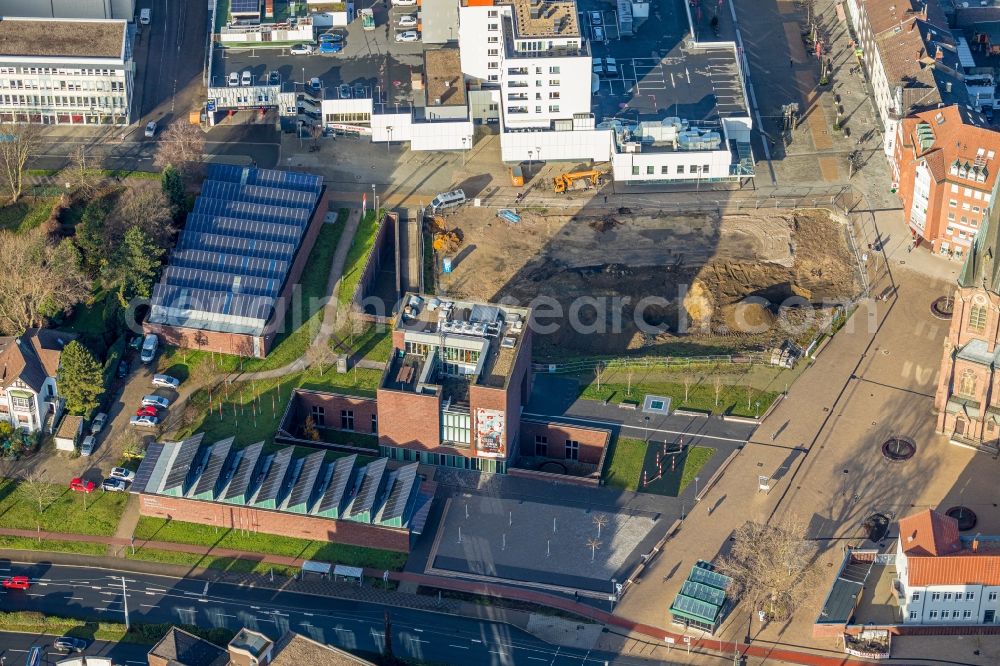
[(712, 595), (402, 488), (307, 479), (210, 476), (368, 492), (186, 453), (237, 247), (244, 473), (694, 608), (145, 470), (244, 6), (268, 492), (334, 494), (705, 576)]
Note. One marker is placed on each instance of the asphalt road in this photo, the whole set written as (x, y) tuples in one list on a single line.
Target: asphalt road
[(96, 593), (14, 648)]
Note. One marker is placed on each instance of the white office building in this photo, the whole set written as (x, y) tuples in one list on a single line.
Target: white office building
[(66, 72)]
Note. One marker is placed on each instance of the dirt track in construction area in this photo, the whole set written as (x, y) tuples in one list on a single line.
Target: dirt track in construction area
[(703, 265)]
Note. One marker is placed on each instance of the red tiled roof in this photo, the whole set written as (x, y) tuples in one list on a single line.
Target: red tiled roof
[(963, 568), (929, 533), (954, 139)]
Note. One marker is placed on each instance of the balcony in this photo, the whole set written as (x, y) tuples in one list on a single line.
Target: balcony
[(517, 109), (517, 84), (517, 71), (517, 97)]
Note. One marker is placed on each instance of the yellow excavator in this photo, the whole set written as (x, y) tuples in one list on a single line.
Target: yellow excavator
[(565, 181), (445, 240)]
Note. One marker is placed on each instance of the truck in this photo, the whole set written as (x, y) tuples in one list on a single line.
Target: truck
[(367, 19)]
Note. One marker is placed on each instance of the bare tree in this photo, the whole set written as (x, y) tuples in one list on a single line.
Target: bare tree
[(319, 353), (597, 376), (142, 205), (628, 386), (717, 386), (17, 144), (40, 492), (771, 565), (600, 520), (39, 279), (687, 379), (181, 147), (593, 543), (749, 392), (83, 173)]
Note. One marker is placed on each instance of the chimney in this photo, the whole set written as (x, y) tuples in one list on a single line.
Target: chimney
[(939, 53), (975, 544), (923, 12)]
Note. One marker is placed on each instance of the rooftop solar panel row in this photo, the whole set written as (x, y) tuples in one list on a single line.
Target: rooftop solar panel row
[(368, 492), (288, 180), (400, 493), (275, 475), (229, 226), (210, 476), (245, 6), (230, 263), (258, 194), (174, 301), (240, 482), (197, 278), (186, 453), (231, 245), (307, 479), (334, 494), (251, 211)]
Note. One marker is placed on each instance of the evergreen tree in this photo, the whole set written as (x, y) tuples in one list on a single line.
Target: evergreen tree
[(133, 270), (173, 188), (81, 381)]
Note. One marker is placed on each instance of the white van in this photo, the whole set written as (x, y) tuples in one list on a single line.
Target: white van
[(145, 16), (447, 200), (149, 344)]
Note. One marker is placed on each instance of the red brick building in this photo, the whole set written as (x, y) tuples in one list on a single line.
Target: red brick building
[(946, 168)]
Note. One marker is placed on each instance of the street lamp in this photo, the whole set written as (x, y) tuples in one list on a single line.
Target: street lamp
[(125, 603), (374, 199), (696, 479), (646, 419), (388, 143), (538, 156), (465, 147), (530, 153)]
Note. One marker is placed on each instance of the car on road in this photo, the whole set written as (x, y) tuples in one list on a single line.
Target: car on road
[(408, 21), (146, 410), (150, 129), (122, 473), (149, 345), (166, 381), (155, 401), (113, 485), (595, 18), (80, 486), (88, 445), (345, 91), (300, 49), (234, 79), (274, 78), (144, 421), (598, 33), (69, 644), (246, 79), (98, 423), (328, 48), (408, 36), (17, 583), (145, 16)]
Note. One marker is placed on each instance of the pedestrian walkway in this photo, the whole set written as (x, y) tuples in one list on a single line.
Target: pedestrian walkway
[(128, 521)]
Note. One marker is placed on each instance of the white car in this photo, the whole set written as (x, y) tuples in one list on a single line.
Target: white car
[(144, 421), (155, 401), (598, 33), (300, 49), (247, 78), (122, 473), (113, 485), (595, 18), (234, 79), (408, 36), (88, 445), (150, 129), (404, 3), (408, 21), (98, 423), (166, 381)]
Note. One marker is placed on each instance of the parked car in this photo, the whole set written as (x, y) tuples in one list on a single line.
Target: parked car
[(408, 36), (146, 410), (69, 644), (150, 129), (234, 79), (88, 445), (111, 485), (345, 91), (98, 423), (149, 345), (145, 16), (408, 21), (17, 583), (144, 421), (246, 79), (122, 369), (598, 33), (122, 473), (300, 49), (331, 37), (315, 83), (81, 486), (328, 48), (611, 66), (274, 78), (595, 18), (166, 381), (155, 401)]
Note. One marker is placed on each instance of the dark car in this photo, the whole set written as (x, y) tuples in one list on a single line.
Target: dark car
[(274, 78), (69, 644), (122, 369)]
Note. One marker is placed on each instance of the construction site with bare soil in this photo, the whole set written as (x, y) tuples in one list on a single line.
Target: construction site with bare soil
[(653, 283)]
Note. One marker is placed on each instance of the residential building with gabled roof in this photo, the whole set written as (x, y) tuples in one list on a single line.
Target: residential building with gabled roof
[(29, 366)]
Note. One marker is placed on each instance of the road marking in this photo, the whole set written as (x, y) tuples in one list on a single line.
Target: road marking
[(223, 614), (149, 594), (502, 654), (148, 606), (255, 607), (193, 594), (460, 647), (475, 640), (76, 598), (204, 601), (308, 614), (95, 587), (153, 589), (112, 592), (419, 631), (267, 619), (31, 594), (537, 658)]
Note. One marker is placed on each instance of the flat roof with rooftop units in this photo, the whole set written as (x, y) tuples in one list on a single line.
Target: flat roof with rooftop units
[(445, 83), (538, 18)]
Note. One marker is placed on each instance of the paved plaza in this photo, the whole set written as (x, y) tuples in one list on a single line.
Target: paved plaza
[(539, 542)]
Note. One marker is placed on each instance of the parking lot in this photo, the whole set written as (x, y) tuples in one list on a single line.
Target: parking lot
[(371, 64)]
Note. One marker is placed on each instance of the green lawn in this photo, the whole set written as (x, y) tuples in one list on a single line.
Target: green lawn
[(27, 213), (624, 463), (70, 512), (47, 545), (30, 622), (228, 564), (204, 535), (357, 255), (361, 439), (701, 395), (375, 344), (696, 458)]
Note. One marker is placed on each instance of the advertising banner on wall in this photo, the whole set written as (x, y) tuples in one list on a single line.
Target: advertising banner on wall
[(489, 433)]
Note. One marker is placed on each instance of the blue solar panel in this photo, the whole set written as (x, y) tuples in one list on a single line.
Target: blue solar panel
[(230, 245), (246, 210), (200, 300), (197, 278), (228, 226), (286, 180), (230, 263), (244, 6)]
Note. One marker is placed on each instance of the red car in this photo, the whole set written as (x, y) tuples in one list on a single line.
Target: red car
[(146, 410), (81, 486), (16, 583)]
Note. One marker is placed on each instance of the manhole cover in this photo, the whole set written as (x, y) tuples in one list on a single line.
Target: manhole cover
[(898, 449), (943, 307), (876, 526), (965, 516)]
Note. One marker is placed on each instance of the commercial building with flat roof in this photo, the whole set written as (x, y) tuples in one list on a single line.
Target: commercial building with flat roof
[(69, 9), (62, 71)]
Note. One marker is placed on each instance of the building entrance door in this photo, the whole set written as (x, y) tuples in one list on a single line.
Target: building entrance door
[(989, 617)]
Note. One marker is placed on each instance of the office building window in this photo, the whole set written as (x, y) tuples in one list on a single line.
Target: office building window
[(493, 77), (554, 70), (572, 449), (992, 596), (635, 171), (319, 416), (935, 596), (966, 614), (680, 168), (915, 596), (956, 614), (455, 428), (704, 168), (374, 424), (493, 52), (347, 419), (553, 108), (947, 596), (969, 596), (665, 170), (541, 445), (913, 615), (933, 615), (492, 39), (650, 170)]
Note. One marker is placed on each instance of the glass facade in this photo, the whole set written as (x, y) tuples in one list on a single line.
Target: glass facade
[(456, 428), (444, 459)]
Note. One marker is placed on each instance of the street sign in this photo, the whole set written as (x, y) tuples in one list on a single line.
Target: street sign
[(670, 640), (687, 639), (210, 106)]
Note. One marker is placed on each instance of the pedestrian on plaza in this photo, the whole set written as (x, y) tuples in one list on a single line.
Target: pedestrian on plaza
[(605, 198), (791, 63)]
